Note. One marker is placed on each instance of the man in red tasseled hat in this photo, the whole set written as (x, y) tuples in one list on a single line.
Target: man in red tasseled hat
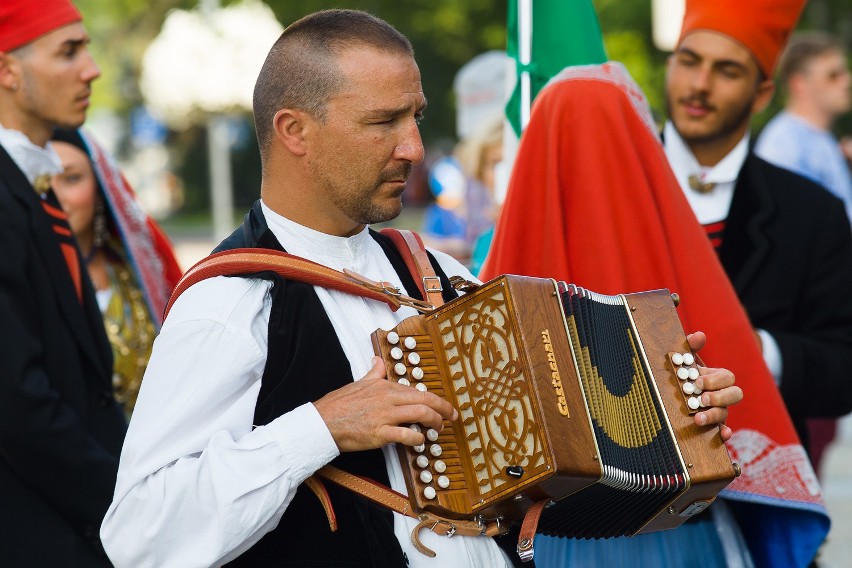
[(784, 241), (61, 430)]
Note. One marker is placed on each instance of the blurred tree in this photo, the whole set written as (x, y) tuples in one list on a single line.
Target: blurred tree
[(445, 35)]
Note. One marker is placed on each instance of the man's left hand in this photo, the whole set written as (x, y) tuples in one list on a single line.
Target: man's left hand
[(720, 392)]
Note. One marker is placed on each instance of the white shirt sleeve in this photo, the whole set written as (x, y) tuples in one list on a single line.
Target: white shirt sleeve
[(197, 484), (771, 354)]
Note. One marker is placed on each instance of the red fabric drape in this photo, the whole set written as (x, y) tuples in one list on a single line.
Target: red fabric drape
[(592, 201)]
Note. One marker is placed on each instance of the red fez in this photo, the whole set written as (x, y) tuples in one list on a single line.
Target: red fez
[(22, 21), (761, 26)]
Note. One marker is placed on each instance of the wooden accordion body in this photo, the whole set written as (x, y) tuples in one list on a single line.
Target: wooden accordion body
[(563, 394)]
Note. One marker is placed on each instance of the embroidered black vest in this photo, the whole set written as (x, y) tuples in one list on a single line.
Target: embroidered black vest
[(304, 362)]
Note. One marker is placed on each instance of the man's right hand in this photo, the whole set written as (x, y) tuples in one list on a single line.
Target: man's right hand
[(372, 412)]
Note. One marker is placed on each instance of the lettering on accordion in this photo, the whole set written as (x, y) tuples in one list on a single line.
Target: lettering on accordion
[(563, 395)]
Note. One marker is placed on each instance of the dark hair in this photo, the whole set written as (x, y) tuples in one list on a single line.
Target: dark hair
[(802, 49), (300, 71)]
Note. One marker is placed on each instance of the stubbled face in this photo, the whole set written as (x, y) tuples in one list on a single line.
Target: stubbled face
[(362, 153), (712, 87), (826, 81), (55, 73), (75, 187)]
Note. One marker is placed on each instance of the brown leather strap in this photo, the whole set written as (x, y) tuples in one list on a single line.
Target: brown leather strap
[(314, 484), (252, 260), (413, 252), (528, 528), (389, 498)]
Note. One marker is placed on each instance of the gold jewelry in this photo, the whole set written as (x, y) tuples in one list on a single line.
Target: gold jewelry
[(41, 183), (700, 186)]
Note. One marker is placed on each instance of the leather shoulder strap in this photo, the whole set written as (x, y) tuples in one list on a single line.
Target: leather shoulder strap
[(410, 246), (247, 261)]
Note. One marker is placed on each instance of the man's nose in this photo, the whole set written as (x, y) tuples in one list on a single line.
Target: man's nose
[(90, 70), (410, 148)]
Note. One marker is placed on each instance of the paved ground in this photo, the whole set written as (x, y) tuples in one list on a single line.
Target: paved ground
[(837, 477), (837, 488)]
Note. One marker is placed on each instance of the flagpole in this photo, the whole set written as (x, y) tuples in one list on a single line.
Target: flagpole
[(524, 57)]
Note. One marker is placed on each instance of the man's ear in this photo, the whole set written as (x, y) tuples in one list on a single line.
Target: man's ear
[(290, 128), (765, 92), (9, 71)]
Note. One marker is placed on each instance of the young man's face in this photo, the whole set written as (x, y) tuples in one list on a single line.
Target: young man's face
[(54, 76), (826, 81), (364, 150), (713, 86)]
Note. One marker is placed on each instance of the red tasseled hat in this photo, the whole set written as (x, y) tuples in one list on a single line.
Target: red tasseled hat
[(22, 21), (762, 26)]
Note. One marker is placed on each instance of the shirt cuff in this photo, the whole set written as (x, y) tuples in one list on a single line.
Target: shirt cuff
[(303, 437), (771, 354)]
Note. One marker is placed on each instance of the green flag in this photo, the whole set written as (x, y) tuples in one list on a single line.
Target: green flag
[(544, 37)]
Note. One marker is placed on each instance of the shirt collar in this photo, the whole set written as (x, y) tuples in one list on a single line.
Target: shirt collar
[(311, 244), (684, 164), (33, 160)]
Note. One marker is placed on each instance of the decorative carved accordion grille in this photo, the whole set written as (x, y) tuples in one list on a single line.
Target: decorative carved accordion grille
[(492, 391)]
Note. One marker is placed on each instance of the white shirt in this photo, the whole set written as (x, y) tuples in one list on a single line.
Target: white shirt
[(31, 158), (196, 485), (715, 205)]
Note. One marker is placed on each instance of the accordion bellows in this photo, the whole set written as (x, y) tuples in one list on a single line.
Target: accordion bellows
[(563, 394)]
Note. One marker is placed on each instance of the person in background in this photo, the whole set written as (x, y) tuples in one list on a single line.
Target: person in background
[(814, 73), (444, 224), (478, 156), (129, 259), (61, 429), (784, 241), (256, 382)]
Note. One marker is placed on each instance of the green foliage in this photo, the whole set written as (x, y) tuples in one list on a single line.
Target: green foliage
[(445, 34)]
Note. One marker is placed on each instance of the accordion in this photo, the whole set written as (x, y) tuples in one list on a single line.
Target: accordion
[(564, 395)]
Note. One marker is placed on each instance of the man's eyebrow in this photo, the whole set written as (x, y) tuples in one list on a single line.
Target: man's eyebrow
[(75, 43), (398, 111), (717, 63)]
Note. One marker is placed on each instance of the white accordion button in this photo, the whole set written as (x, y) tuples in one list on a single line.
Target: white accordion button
[(393, 337), (697, 390), (396, 353), (435, 450), (417, 373), (431, 434), (425, 476), (410, 342), (689, 388), (422, 461), (399, 368), (416, 427), (677, 358), (443, 481), (429, 492), (693, 373), (421, 387), (688, 359), (693, 402), (419, 449), (701, 403), (404, 382), (440, 466), (414, 358), (682, 373)]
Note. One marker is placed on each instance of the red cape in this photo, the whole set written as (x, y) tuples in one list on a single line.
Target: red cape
[(592, 201)]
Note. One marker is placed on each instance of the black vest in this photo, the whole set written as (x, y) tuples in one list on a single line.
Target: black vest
[(304, 362)]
